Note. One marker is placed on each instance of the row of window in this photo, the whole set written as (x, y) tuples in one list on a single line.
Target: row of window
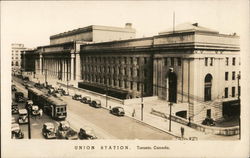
[(233, 61), (171, 60), (126, 60), (233, 75), (210, 61), (117, 83), (115, 70), (233, 92)]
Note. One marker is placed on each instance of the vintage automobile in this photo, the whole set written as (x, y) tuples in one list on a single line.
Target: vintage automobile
[(48, 130), (64, 131), (13, 87), (86, 133), (34, 110), (14, 109), (23, 116), (86, 100), (13, 120), (96, 103), (77, 97), (28, 104), (19, 97), (38, 85), (208, 122), (16, 132), (63, 92), (119, 111)]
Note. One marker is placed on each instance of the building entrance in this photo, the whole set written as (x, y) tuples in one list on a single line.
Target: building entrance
[(172, 84)]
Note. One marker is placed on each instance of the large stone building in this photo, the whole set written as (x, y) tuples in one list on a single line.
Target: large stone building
[(16, 49), (193, 65)]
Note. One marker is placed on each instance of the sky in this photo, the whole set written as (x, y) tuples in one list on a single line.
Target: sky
[(31, 23)]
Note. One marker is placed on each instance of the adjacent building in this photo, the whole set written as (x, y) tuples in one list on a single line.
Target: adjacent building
[(16, 49), (193, 65)]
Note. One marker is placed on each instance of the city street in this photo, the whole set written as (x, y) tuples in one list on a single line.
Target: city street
[(104, 124)]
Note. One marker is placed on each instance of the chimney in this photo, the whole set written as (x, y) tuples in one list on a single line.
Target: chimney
[(128, 25), (195, 24)]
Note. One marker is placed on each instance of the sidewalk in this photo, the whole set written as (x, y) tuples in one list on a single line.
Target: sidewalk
[(152, 120)]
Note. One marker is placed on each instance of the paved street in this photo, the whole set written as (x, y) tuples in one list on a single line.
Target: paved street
[(105, 125)]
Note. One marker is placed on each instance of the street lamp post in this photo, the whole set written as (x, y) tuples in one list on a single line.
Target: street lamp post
[(238, 82), (170, 115), (29, 130), (142, 101)]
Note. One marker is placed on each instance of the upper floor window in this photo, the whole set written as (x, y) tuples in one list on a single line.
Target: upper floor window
[(233, 75), (233, 91), (165, 61), (145, 60), (226, 93), (206, 61), (226, 76), (211, 61), (227, 61), (179, 61), (172, 61), (233, 61)]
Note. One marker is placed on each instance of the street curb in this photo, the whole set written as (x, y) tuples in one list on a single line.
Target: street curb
[(141, 122)]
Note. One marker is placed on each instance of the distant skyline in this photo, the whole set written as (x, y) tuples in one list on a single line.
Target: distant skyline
[(31, 23)]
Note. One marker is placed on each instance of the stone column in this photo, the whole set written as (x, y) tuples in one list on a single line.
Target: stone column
[(78, 73), (72, 64), (40, 66)]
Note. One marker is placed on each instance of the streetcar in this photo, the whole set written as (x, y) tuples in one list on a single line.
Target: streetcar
[(51, 105)]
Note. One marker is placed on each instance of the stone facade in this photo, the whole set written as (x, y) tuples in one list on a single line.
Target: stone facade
[(16, 55), (196, 66)]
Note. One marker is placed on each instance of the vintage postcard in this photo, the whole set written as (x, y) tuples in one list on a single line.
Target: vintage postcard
[(124, 79)]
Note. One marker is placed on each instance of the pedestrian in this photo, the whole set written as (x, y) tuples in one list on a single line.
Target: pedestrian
[(41, 113), (133, 114), (182, 132)]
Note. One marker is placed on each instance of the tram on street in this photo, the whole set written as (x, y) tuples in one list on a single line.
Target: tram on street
[(51, 105)]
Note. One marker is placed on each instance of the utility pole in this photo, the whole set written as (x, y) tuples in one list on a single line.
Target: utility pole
[(238, 77), (29, 130), (142, 101), (170, 115)]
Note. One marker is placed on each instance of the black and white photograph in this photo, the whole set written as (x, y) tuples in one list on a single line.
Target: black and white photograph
[(124, 79)]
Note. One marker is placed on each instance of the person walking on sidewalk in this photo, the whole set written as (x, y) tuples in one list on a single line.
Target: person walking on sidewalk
[(182, 132)]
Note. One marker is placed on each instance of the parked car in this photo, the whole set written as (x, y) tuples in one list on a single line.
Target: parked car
[(48, 130), (119, 111), (38, 85), (77, 97), (86, 100), (13, 120), (14, 109), (28, 104), (13, 87), (23, 116), (86, 133), (34, 110), (65, 132), (96, 103), (208, 121), (19, 97), (16, 132), (62, 91)]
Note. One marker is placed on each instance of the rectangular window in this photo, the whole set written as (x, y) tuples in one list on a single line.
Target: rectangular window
[(233, 75), (125, 71), (226, 93), (233, 62), (227, 61), (131, 85), (138, 86), (138, 73), (131, 60), (145, 60), (179, 61), (172, 61), (211, 61), (131, 71), (226, 76), (126, 84), (233, 91), (165, 61), (206, 61)]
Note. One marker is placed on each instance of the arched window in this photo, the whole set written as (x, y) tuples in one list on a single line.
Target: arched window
[(208, 87)]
